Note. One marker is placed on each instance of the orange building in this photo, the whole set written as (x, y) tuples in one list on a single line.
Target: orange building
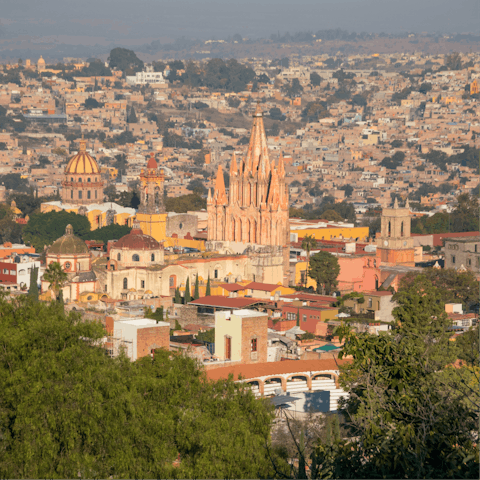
[(8, 249)]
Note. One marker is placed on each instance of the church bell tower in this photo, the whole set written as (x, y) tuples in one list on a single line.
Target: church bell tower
[(395, 243), (151, 216)]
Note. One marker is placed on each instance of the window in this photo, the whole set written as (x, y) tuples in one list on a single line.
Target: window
[(125, 283), (304, 318), (71, 193), (180, 226), (135, 258), (88, 195), (370, 303), (80, 195), (71, 179), (253, 345), (142, 283), (5, 271), (95, 194), (476, 248), (12, 272), (88, 180), (469, 262), (80, 180), (152, 257), (105, 288), (119, 256), (453, 259), (215, 274)]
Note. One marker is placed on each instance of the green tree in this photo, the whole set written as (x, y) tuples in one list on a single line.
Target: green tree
[(453, 61), (185, 203), (207, 336), (132, 118), (178, 298), (207, 290), (465, 216), (315, 79), (56, 277), (308, 243), (451, 285), (44, 228), (157, 315), (124, 59), (33, 290), (187, 297), (324, 269), (68, 410), (109, 232), (196, 293), (110, 192)]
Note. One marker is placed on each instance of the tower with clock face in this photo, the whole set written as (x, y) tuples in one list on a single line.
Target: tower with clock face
[(395, 243)]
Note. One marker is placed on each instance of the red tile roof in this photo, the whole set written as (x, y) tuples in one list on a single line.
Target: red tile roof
[(264, 287), (226, 302), (232, 287), (311, 297), (274, 368)]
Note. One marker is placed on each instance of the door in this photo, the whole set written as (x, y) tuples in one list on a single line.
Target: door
[(228, 348)]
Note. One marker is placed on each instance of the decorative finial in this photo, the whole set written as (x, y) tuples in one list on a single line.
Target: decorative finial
[(395, 204), (407, 203)]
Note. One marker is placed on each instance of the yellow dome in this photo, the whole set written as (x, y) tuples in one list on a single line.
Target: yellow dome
[(82, 162)]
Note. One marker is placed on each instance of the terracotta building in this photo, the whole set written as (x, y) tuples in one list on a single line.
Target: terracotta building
[(254, 213), (73, 255), (83, 184)]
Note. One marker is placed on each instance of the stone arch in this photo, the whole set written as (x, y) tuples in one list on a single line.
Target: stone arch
[(298, 375), (277, 381), (330, 375), (135, 257), (257, 382)]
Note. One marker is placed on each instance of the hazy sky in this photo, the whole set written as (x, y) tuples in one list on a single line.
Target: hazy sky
[(117, 20)]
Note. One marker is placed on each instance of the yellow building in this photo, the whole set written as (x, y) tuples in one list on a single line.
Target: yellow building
[(474, 87), (323, 230), (151, 216)]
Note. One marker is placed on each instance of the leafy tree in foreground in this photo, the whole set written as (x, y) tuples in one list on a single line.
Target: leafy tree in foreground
[(56, 277), (324, 269), (33, 290), (68, 410)]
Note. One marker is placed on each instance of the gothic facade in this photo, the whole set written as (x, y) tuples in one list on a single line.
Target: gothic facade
[(253, 216)]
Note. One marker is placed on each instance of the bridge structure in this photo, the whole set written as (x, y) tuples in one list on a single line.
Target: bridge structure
[(287, 377)]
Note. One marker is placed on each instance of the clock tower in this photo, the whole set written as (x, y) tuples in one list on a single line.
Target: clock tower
[(395, 243)]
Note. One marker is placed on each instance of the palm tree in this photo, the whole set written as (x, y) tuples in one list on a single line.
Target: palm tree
[(308, 243), (57, 278)]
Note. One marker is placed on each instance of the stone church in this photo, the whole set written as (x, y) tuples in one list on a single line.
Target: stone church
[(253, 217)]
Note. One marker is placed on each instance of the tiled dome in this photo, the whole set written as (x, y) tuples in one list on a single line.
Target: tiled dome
[(137, 240), (82, 162), (68, 244)]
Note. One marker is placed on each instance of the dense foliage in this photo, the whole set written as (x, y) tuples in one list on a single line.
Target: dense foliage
[(324, 269), (67, 410)]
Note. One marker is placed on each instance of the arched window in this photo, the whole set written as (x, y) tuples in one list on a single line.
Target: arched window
[(172, 281), (71, 179), (95, 194), (152, 257), (389, 229), (119, 256), (80, 195), (401, 230), (135, 258), (80, 180), (71, 193), (89, 195), (88, 179), (125, 283)]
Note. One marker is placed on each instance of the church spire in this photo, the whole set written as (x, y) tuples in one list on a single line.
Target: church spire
[(281, 166), (258, 144), (233, 165), (220, 194)]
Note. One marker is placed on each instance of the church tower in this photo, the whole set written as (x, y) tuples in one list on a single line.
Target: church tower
[(254, 214), (395, 243), (151, 216)]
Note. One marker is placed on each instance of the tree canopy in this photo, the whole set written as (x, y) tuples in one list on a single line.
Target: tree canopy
[(324, 269), (124, 59), (68, 410)]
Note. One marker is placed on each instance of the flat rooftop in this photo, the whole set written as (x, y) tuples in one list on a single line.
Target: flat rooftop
[(143, 322)]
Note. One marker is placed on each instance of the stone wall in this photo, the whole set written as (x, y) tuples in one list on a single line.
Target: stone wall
[(254, 328), (152, 338), (187, 314), (182, 224)]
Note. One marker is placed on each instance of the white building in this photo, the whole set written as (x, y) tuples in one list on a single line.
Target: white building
[(16, 271), (148, 76)]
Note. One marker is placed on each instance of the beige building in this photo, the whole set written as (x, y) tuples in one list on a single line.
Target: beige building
[(241, 336)]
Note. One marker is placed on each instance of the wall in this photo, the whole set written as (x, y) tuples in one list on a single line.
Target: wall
[(225, 325), (182, 224), (255, 327), (329, 233), (152, 338)]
